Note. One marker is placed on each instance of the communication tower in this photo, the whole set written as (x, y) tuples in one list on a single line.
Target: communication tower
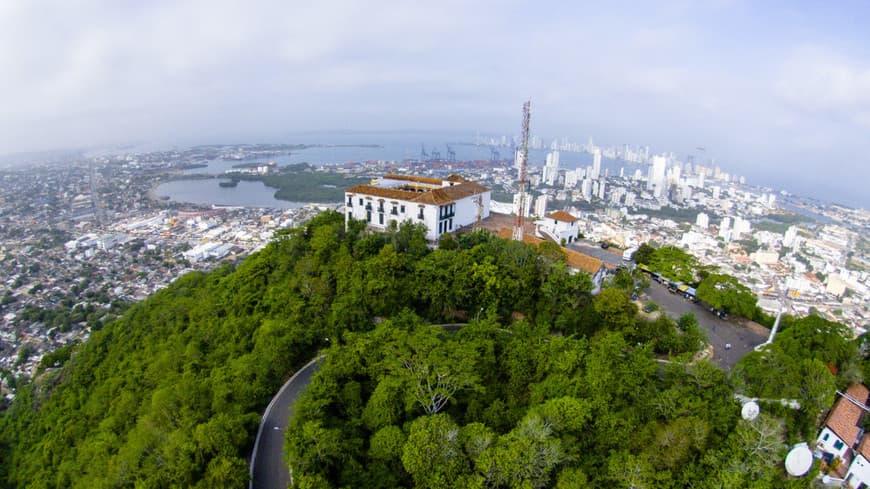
[(523, 157)]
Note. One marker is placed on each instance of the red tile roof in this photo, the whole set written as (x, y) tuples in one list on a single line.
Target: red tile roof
[(562, 216), (864, 447), (575, 259), (426, 196), (845, 417), (413, 178)]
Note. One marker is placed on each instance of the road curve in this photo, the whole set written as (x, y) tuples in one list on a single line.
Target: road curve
[(267, 469)]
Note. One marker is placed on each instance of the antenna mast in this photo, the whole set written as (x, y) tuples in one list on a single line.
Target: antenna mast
[(523, 157)]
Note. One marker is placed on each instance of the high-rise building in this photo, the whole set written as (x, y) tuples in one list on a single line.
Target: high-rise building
[(570, 179), (586, 188), (596, 163), (541, 205), (703, 220), (527, 202), (725, 229), (716, 191), (601, 185), (656, 178), (551, 168), (790, 237), (742, 227), (629, 199)]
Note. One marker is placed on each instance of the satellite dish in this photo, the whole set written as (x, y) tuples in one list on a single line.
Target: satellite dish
[(799, 460), (750, 411)]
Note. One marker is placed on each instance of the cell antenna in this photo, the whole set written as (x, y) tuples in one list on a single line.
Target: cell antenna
[(523, 158)]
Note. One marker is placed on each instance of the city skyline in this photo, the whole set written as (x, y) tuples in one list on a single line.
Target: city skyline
[(780, 93)]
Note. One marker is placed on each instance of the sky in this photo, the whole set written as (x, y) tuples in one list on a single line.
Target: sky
[(777, 91)]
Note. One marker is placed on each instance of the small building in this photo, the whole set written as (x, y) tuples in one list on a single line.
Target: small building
[(559, 226), (842, 430), (443, 206), (859, 472)]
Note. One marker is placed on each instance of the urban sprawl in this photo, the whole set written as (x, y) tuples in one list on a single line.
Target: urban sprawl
[(83, 237)]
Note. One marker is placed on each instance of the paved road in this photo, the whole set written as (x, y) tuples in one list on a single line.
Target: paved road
[(598, 252), (268, 470), (719, 332)]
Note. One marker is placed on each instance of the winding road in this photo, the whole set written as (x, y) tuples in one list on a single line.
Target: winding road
[(268, 469)]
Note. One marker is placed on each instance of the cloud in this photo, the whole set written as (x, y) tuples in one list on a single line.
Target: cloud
[(675, 74), (825, 83)]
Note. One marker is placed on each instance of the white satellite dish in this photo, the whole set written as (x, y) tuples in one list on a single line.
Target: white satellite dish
[(750, 411), (799, 460)]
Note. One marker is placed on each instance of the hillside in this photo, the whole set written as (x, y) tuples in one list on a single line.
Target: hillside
[(170, 394)]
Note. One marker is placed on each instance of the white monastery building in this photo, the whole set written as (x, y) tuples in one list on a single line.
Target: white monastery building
[(559, 226), (442, 205)]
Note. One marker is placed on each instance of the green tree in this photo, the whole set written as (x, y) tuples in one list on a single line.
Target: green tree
[(433, 455), (644, 254), (725, 293)]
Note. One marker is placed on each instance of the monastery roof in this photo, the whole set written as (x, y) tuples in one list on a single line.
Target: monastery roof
[(435, 196), (562, 216), (845, 418), (864, 447), (575, 259), (414, 178)]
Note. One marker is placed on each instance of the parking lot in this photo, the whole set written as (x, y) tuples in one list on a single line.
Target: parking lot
[(719, 332)]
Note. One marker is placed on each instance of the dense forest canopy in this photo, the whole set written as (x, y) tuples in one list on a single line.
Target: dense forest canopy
[(546, 385)]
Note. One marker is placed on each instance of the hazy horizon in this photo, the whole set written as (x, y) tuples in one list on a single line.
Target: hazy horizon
[(778, 92)]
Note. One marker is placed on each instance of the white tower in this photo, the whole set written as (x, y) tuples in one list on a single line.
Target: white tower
[(596, 163)]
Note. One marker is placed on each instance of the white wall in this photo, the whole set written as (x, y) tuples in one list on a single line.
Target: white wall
[(828, 445), (465, 212), (859, 472)]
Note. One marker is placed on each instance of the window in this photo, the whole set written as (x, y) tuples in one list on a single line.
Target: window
[(349, 216), (360, 201), (369, 216), (450, 225), (349, 201), (394, 211), (825, 438), (838, 445), (381, 219), (402, 209)]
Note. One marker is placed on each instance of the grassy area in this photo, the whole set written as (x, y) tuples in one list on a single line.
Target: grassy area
[(789, 218), (300, 183), (770, 226)]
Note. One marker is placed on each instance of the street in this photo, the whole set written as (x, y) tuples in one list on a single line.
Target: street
[(719, 332), (268, 469)]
